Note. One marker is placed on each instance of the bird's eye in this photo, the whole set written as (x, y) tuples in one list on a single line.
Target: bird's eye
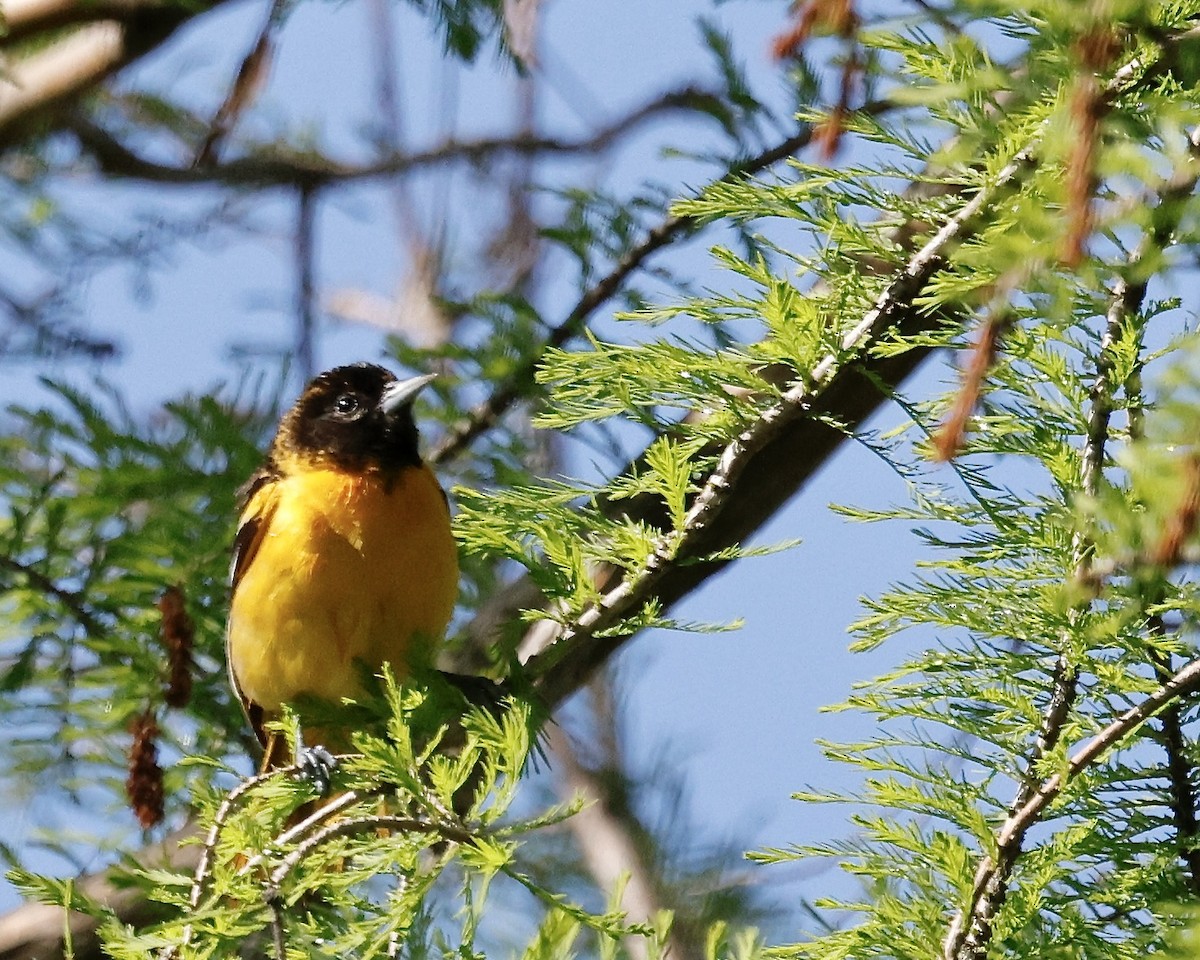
[(346, 404)]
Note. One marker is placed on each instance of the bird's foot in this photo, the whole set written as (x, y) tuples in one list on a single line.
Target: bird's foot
[(316, 765)]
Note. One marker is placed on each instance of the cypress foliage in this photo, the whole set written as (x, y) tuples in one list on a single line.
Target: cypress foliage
[(1013, 186)]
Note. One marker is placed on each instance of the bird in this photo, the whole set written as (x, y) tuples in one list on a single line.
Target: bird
[(343, 558)]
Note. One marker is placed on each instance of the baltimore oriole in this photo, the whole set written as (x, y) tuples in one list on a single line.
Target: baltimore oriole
[(343, 558)]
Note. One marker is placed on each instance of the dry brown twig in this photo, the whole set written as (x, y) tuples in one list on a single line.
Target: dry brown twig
[(951, 437), (1096, 49), (1182, 523), (249, 81)]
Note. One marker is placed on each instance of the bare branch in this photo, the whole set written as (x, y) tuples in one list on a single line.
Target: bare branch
[(35, 331), (277, 166)]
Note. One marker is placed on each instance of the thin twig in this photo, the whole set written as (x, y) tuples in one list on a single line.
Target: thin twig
[(250, 78), (324, 812), (1082, 544), (278, 931), (342, 828), (1182, 683), (204, 867), (305, 282), (74, 601), (281, 167), (486, 414), (1180, 769), (208, 852), (391, 119), (994, 870)]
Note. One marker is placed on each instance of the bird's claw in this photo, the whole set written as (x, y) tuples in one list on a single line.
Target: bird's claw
[(316, 765)]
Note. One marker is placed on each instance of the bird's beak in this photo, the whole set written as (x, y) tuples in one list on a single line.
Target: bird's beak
[(403, 392)]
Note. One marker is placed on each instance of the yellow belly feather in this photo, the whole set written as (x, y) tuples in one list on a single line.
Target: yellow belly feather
[(347, 570)]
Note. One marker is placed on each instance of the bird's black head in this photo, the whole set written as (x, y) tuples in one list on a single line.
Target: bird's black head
[(358, 417)]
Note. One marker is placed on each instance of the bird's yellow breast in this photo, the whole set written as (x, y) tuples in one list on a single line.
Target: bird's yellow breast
[(349, 568)]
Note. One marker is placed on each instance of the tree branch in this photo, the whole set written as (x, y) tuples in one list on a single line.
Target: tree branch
[(768, 478), (1130, 294), (1186, 681), (486, 414), (31, 321), (61, 70), (305, 258), (674, 227), (279, 167), (741, 492), (24, 19), (35, 931), (112, 35), (354, 825), (970, 933), (1180, 771)]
